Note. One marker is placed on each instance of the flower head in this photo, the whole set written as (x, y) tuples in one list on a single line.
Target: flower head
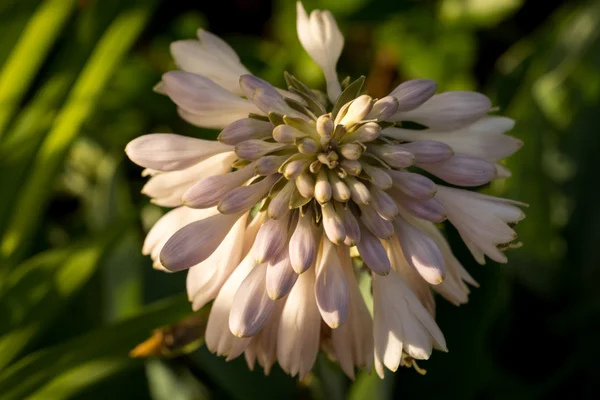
[(304, 194)]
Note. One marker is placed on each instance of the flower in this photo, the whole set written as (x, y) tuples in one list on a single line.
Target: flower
[(306, 194)]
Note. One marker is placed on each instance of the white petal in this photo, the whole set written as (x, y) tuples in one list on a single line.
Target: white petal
[(401, 323), (170, 152), (219, 338), (483, 139), (299, 328), (264, 344), (331, 287), (323, 41), (353, 341), (482, 221), (211, 57), (205, 103), (166, 189), (448, 110)]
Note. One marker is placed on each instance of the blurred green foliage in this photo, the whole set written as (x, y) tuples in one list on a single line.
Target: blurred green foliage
[(76, 296)]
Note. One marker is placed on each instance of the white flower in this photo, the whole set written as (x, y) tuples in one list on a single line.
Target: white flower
[(266, 217)]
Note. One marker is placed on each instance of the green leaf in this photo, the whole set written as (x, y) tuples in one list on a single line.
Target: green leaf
[(36, 291), (61, 371), (109, 52), (29, 53)]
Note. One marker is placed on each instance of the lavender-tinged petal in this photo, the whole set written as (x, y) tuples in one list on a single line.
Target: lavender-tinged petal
[(421, 252), (331, 287), (195, 242), (271, 240), (281, 277), (413, 185), (429, 151), (373, 253), (380, 227), (209, 191), (251, 306), (245, 129), (411, 94), (333, 224), (463, 170), (303, 244), (245, 197)]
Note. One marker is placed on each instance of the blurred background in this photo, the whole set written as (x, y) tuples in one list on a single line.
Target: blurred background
[(76, 295)]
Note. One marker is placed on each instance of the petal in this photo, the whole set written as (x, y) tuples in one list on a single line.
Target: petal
[(429, 209), (382, 228), (482, 221), (373, 253), (299, 328), (244, 198), (279, 205), (209, 191), (219, 338), (420, 251), (303, 243), (211, 57), (411, 94), (394, 155), (166, 226), (195, 242), (463, 170), (251, 305), (166, 189), (271, 240), (353, 341), (448, 110), (170, 152), (198, 96), (281, 277), (350, 225), (333, 224), (331, 287), (204, 280), (323, 41), (384, 204), (413, 185), (246, 129), (254, 149), (429, 151)]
